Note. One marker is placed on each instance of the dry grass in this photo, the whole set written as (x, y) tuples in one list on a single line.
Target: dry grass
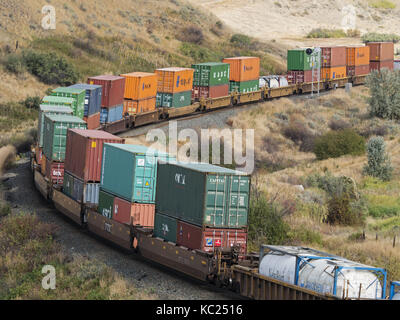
[(7, 155)]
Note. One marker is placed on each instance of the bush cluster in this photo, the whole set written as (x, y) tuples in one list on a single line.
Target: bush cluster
[(298, 132), (191, 34), (338, 143), (378, 161), (380, 37)]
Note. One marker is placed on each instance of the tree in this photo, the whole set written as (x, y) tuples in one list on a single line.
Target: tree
[(378, 165)]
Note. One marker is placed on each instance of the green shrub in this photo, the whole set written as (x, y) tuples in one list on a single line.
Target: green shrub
[(383, 4), (378, 161), (340, 211), (50, 68), (385, 96), (15, 64), (380, 37), (241, 40), (333, 185), (326, 33), (5, 210), (32, 102), (338, 143), (266, 224)]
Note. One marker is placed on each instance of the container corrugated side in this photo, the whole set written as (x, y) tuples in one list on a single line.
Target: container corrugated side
[(92, 97), (381, 51), (211, 74), (130, 171), (174, 80), (92, 121), (333, 56), (109, 115), (357, 56), (357, 70), (299, 60), (174, 100), (133, 107), (55, 134), (243, 68), (333, 73), (140, 85), (165, 227), (379, 65), (137, 214), (245, 86), (54, 171), (58, 101), (80, 191), (84, 151), (113, 89), (210, 92), (77, 94), (49, 109), (202, 194)]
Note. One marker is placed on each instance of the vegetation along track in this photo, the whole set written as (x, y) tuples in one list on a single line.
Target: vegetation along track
[(163, 283)]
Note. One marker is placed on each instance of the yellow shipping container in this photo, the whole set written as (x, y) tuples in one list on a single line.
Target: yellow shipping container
[(140, 85), (333, 73), (174, 80)]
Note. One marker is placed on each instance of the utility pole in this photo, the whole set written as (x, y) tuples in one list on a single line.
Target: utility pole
[(315, 55)]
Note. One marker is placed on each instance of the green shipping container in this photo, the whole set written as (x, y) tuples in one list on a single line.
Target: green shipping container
[(130, 171), (203, 194), (298, 59), (165, 227), (49, 109), (244, 86), (77, 94), (106, 204), (58, 101), (55, 134), (176, 100), (211, 74)]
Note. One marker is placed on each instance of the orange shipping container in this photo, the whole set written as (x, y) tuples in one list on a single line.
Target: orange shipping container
[(243, 68), (381, 51), (357, 56), (139, 106), (133, 213), (174, 80), (333, 73), (140, 85)]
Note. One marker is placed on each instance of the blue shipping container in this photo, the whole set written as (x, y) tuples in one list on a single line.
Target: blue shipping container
[(92, 98), (108, 115), (130, 171)]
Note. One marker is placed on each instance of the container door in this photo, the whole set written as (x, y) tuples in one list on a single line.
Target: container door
[(237, 201), (216, 199), (144, 178)]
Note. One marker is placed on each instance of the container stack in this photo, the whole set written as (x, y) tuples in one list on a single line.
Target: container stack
[(78, 95), (54, 144), (333, 63), (82, 167), (92, 104), (381, 55), (244, 74), (357, 61), (140, 92), (202, 206), (299, 66), (112, 97), (174, 87), (128, 183), (210, 80)]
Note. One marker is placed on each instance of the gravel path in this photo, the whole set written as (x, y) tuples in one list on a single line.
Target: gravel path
[(165, 284)]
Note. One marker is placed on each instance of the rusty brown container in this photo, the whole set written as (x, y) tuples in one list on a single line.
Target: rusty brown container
[(210, 92), (93, 121), (379, 65), (208, 239), (84, 152), (333, 73), (357, 56), (243, 68), (55, 171), (381, 51), (357, 70), (113, 89), (38, 154), (294, 77), (333, 56), (132, 107), (137, 214)]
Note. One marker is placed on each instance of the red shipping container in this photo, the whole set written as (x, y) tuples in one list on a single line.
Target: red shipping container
[(210, 92), (381, 51), (93, 121), (294, 77), (84, 152), (333, 56), (113, 89), (55, 171), (206, 239), (379, 65), (126, 212), (357, 70)]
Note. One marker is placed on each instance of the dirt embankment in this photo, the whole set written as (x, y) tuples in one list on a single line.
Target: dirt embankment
[(7, 154)]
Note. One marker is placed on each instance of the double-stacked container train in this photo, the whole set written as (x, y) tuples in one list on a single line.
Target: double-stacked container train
[(190, 217)]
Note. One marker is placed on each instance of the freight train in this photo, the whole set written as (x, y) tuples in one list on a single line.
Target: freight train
[(224, 266)]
